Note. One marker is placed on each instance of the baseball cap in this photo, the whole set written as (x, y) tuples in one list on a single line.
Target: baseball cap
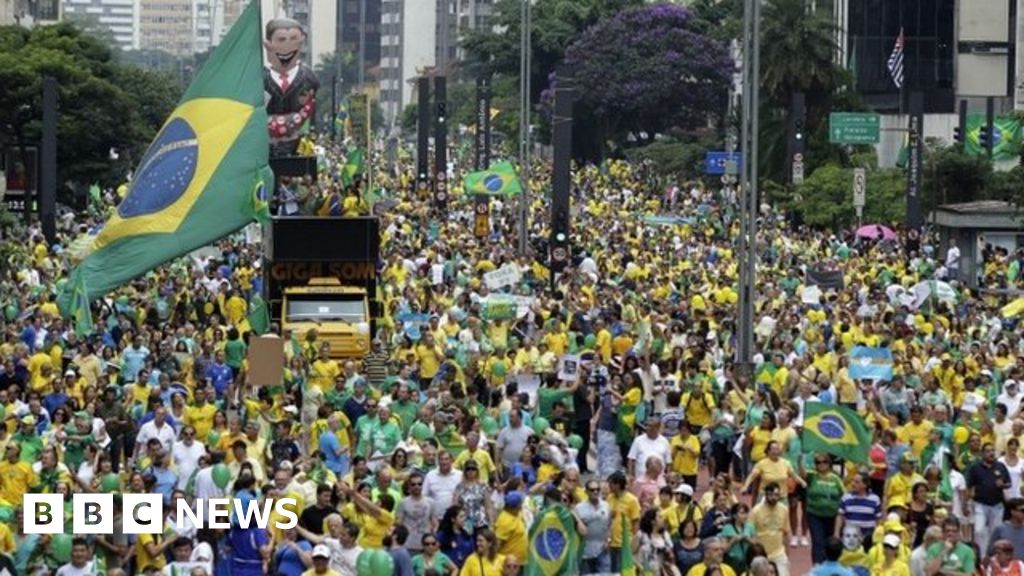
[(514, 499), (684, 489), (891, 540), (69, 373), (321, 551)]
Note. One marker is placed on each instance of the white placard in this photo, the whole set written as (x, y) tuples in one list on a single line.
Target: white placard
[(568, 367), (507, 275)]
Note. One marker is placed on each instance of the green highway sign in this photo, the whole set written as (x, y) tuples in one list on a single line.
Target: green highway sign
[(853, 128)]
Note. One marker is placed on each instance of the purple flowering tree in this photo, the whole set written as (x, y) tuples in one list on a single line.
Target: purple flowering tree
[(646, 70)]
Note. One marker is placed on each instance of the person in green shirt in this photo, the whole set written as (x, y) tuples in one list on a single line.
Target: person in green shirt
[(404, 406), (824, 491), (234, 351), (432, 557), (386, 434), (553, 393), (28, 438), (79, 435), (951, 556)]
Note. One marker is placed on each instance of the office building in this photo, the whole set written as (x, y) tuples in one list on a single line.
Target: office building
[(121, 17), (953, 50), (351, 16), (30, 13)]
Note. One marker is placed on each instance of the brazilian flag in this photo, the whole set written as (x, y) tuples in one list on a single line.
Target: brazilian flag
[(355, 165), (554, 544), (836, 430), (499, 180), (205, 176)]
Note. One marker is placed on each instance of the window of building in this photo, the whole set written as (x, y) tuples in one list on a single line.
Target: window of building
[(928, 53)]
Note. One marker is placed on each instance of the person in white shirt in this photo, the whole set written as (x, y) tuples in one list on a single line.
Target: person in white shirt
[(185, 456), (187, 558), (156, 428), (439, 484), (652, 443), (205, 487), (1011, 396)]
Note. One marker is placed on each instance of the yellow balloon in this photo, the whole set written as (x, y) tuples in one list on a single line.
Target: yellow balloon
[(961, 435)]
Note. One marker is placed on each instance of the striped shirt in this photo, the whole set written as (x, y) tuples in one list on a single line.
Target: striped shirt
[(861, 511)]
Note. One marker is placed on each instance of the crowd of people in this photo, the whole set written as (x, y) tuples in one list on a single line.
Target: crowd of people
[(611, 390)]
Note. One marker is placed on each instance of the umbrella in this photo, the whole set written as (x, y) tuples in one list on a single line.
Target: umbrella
[(875, 232)]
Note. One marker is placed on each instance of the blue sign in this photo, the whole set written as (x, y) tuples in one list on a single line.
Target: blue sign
[(714, 163)]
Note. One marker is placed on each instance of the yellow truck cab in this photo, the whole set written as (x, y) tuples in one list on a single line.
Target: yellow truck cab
[(340, 315)]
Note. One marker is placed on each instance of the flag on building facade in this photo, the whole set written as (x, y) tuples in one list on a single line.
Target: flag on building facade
[(895, 64), (836, 430), (204, 176)]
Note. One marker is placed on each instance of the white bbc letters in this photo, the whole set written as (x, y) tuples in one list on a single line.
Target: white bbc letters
[(143, 513), (92, 513), (43, 514)]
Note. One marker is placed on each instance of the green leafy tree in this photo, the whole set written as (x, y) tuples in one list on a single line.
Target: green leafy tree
[(825, 199), (103, 105)]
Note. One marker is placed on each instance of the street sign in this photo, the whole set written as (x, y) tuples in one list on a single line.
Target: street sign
[(798, 168), (715, 162), (853, 128), (859, 187)]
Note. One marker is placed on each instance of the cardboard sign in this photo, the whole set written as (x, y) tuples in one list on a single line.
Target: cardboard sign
[(266, 361), (568, 368)]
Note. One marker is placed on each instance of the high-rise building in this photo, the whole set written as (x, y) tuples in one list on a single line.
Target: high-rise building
[(421, 36), (351, 17), (952, 50), (166, 25), (121, 17), (30, 12)]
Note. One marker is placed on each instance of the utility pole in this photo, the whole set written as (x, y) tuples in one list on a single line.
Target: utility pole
[(748, 183), (524, 125)]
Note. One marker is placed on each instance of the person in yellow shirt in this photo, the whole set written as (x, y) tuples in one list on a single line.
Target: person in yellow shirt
[(16, 477), (773, 469), (899, 487), (430, 355), (482, 458), (324, 370), (377, 516), (485, 561), (510, 529), (625, 510), (686, 455), (917, 432), (200, 415)]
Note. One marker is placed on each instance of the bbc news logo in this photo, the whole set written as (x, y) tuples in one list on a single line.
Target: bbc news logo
[(144, 513)]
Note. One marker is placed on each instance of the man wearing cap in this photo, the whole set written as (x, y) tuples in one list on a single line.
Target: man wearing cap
[(78, 436), (28, 439), (898, 487), (986, 482), (321, 562), (510, 529)]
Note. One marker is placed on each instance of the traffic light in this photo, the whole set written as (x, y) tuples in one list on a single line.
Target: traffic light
[(958, 135), (983, 137), (559, 241), (798, 129)]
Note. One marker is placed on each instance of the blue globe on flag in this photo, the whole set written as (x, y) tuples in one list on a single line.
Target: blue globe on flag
[(493, 183), (832, 427), (165, 171), (551, 544)]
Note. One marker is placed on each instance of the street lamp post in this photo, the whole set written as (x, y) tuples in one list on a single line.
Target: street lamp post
[(748, 183), (524, 125)]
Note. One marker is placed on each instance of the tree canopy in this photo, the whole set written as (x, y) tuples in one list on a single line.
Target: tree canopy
[(103, 104)]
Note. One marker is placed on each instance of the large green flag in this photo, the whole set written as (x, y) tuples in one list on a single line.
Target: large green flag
[(205, 175), (259, 315), (80, 310), (554, 544), (836, 430), (354, 166), (499, 180)]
